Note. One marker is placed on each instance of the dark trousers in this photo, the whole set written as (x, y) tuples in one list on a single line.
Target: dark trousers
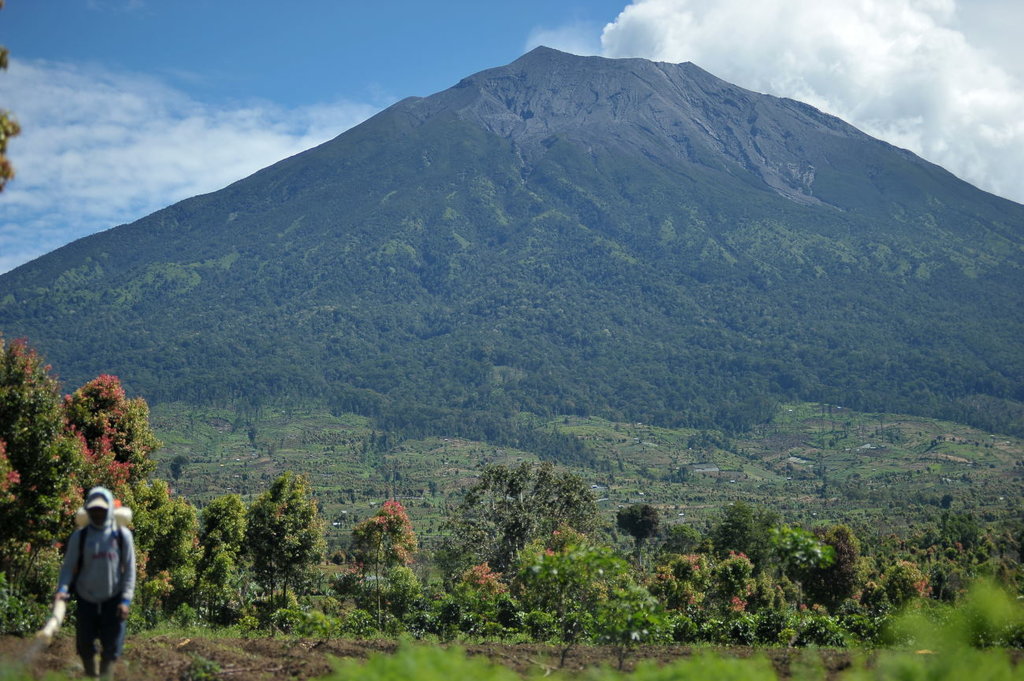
[(99, 621)]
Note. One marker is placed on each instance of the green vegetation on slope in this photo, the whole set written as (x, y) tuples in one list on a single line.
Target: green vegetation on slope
[(815, 463)]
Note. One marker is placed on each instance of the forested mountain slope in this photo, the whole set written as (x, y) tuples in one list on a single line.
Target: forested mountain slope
[(561, 235)]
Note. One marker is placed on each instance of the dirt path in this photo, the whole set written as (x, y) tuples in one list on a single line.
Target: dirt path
[(166, 658)]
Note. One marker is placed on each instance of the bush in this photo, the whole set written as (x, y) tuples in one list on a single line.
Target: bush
[(712, 630), (18, 615), (201, 669), (820, 630), (423, 622), (316, 624), (249, 624), (741, 630), (185, 616), (682, 628), (541, 625), (774, 627), (396, 592), (453, 617), (988, 617), (508, 614), (359, 623), (865, 628), (286, 620)]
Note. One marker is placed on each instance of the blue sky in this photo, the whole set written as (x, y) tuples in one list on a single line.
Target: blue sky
[(130, 105), (298, 53)]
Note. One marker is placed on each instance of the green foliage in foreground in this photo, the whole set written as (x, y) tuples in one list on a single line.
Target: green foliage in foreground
[(438, 664), (431, 663)]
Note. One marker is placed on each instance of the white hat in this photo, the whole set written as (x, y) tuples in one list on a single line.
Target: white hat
[(97, 501)]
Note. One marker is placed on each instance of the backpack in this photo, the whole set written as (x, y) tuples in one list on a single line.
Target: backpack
[(122, 516)]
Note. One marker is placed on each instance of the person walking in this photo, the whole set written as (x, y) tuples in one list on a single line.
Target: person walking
[(99, 569)]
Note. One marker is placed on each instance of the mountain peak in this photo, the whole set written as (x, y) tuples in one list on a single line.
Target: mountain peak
[(674, 114)]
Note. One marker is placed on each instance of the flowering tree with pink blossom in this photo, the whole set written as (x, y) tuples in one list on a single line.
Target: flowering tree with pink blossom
[(383, 541), (484, 581), (732, 581), (8, 476), (113, 432), (40, 464)]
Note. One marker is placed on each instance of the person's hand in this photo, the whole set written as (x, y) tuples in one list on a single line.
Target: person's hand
[(61, 596), (122, 611)]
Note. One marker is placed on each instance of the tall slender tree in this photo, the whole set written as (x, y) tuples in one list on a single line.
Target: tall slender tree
[(285, 535), (641, 522), (221, 537), (383, 541)]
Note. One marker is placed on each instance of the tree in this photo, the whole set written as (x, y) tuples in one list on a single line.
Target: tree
[(745, 529), (8, 128), (52, 449), (113, 432), (8, 476), (681, 539), (284, 535), (641, 522), (732, 581), (381, 542), (800, 552), (904, 582), (221, 536), (831, 584), (682, 581), (40, 463), (223, 525), (166, 539), (178, 464), (628, 617), (570, 584), (509, 507)]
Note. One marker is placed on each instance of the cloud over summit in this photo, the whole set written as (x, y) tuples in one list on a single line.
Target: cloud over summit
[(901, 70)]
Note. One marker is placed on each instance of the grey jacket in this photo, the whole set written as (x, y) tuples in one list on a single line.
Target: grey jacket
[(108, 566)]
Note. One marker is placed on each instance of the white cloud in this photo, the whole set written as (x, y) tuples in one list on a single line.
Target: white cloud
[(100, 148), (918, 73), (993, 26)]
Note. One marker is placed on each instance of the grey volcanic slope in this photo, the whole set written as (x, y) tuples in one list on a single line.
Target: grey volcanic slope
[(560, 235), (671, 113)]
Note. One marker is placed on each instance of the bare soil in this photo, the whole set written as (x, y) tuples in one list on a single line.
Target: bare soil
[(172, 658)]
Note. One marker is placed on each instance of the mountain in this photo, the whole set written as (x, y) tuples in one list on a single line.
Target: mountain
[(561, 235)]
